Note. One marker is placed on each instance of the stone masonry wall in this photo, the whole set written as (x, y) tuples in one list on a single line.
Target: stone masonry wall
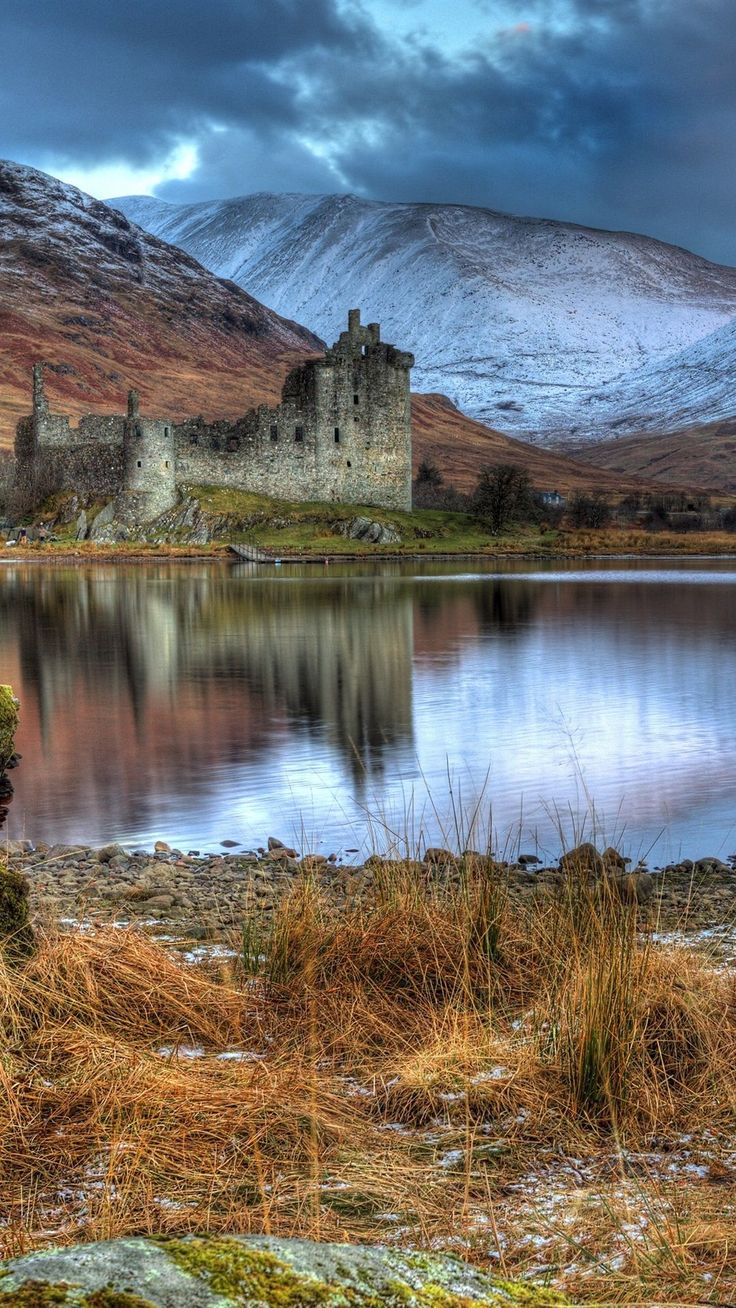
[(342, 432)]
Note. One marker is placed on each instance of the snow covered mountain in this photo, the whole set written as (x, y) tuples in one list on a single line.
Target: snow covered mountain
[(691, 386), (517, 320)]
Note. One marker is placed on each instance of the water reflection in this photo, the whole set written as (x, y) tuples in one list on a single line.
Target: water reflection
[(200, 702)]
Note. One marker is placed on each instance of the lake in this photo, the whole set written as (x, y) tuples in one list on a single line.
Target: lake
[(350, 707)]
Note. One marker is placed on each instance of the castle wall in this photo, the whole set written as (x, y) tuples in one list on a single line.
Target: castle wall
[(341, 432), (149, 455)]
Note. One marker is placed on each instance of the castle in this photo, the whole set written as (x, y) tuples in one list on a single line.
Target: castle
[(341, 432)]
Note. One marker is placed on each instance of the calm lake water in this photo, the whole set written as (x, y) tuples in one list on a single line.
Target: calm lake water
[(346, 707)]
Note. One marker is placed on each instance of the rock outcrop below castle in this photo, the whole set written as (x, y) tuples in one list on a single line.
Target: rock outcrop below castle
[(341, 432)]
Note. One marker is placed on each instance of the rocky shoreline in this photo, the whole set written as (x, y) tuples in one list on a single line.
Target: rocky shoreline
[(207, 897)]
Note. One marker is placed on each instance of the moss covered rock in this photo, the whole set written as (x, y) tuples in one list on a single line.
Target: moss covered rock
[(254, 1272), (16, 933), (8, 725)]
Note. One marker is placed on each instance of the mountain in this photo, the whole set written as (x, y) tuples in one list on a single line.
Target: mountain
[(517, 320), (109, 306), (460, 447)]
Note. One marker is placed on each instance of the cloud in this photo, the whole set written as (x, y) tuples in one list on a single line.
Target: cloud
[(616, 113)]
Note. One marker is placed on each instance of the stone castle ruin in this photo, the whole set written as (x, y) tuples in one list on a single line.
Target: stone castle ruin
[(342, 432)]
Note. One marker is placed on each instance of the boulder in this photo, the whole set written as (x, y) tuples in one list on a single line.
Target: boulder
[(712, 865), (373, 533), (613, 861), (235, 1271), (438, 857), (108, 852), (584, 860), (101, 527), (16, 933), (8, 725)]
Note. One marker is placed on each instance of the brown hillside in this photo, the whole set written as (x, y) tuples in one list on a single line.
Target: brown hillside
[(702, 457), (108, 306), (461, 447)]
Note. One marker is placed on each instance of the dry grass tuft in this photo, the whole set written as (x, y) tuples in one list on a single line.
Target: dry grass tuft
[(544, 1088)]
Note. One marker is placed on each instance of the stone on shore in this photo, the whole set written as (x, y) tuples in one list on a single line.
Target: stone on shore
[(8, 725), (16, 933), (236, 1271)]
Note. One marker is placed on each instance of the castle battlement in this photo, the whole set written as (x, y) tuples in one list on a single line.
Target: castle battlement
[(341, 432)]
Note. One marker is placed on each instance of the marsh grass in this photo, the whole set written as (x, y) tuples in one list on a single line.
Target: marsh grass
[(433, 1064)]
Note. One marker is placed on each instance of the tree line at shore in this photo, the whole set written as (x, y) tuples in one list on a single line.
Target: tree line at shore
[(504, 497)]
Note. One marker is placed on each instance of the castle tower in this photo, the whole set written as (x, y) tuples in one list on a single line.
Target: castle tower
[(149, 457), (40, 403), (363, 419)]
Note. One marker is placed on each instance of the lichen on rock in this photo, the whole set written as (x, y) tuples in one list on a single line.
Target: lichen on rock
[(245, 1271), (8, 725), (16, 933)]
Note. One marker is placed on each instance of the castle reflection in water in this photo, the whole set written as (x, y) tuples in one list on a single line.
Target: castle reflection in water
[(203, 701)]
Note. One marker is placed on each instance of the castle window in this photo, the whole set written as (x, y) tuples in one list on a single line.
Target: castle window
[(337, 435), (215, 443), (349, 464), (274, 432), (194, 440), (139, 431), (140, 465), (298, 433), (364, 350), (167, 463), (356, 399), (166, 431), (233, 443)]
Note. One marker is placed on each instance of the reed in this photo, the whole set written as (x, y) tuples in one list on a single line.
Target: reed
[(421, 1065)]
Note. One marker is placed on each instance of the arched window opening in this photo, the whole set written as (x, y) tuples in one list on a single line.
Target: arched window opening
[(356, 399), (298, 433), (337, 435), (274, 432)]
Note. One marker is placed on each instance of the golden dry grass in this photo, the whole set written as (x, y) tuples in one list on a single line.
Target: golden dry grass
[(544, 1089)]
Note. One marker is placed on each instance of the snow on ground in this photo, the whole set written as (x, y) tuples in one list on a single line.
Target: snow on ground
[(517, 320)]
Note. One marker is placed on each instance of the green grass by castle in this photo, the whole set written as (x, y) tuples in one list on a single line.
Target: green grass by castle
[(283, 525), (312, 530)]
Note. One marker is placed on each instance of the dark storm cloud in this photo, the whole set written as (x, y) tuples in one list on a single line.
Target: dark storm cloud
[(618, 113)]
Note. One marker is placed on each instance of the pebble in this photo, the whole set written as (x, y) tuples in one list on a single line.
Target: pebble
[(205, 895)]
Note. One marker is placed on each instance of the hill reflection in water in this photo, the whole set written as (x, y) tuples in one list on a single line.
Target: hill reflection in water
[(200, 702)]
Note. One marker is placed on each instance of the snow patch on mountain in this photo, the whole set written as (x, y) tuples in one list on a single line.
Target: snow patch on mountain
[(692, 386), (517, 320)]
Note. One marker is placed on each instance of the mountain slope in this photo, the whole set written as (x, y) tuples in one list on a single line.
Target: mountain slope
[(109, 306), (686, 387), (515, 319), (702, 457)]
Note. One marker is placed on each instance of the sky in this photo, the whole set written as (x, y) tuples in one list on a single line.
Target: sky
[(612, 113)]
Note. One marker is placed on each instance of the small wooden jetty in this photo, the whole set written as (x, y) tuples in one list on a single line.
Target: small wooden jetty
[(252, 554)]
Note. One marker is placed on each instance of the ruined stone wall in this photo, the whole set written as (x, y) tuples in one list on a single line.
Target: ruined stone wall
[(95, 470), (342, 432), (92, 469)]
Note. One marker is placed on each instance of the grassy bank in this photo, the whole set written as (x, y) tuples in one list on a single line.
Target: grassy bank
[(548, 1090), (313, 531)]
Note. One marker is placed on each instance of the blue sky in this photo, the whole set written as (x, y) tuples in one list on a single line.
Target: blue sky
[(614, 113)]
